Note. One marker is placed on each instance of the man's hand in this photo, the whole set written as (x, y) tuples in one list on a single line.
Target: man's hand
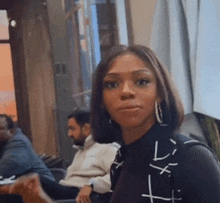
[(29, 188), (83, 195)]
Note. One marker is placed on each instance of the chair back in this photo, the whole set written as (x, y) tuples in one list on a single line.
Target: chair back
[(58, 173)]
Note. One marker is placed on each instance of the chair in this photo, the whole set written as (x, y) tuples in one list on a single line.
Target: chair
[(58, 173), (52, 161)]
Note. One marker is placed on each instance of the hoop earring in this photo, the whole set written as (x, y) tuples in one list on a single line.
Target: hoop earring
[(158, 113), (110, 121)]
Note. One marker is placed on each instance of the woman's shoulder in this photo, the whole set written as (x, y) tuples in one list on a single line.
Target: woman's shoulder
[(184, 142), (188, 148), (198, 169)]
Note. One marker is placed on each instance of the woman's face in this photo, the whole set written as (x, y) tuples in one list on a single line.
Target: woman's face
[(130, 92)]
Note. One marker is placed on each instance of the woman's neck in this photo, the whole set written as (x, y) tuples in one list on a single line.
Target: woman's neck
[(131, 134)]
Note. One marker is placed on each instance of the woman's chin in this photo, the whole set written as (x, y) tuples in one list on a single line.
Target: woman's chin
[(134, 123), (130, 123)]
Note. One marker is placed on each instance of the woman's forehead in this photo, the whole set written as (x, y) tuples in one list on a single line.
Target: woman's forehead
[(128, 63)]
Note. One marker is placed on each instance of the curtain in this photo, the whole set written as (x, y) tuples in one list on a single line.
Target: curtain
[(186, 38)]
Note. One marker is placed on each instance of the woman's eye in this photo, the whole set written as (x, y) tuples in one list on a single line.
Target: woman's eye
[(110, 85), (142, 82)]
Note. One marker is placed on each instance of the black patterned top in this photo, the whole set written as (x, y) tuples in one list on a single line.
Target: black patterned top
[(163, 167)]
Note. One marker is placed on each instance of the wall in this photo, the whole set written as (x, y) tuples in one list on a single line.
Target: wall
[(142, 12)]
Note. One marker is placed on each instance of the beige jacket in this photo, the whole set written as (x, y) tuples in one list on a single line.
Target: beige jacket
[(92, 162)]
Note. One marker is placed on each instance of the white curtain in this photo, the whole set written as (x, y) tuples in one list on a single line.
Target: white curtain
[(186, 37)]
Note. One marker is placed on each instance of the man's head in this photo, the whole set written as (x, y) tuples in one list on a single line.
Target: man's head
[(78, 126), (6, 128)]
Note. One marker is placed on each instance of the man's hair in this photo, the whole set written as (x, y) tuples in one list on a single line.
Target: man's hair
[(81, 116), (172, 108), (10, 123)]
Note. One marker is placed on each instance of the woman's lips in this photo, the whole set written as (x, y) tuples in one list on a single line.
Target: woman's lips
[(129, 108)]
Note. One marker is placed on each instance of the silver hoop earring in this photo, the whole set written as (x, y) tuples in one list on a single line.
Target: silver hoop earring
[(158, 113), (110, 121)]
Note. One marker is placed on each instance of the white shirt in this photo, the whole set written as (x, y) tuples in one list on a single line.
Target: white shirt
[(92, 162)]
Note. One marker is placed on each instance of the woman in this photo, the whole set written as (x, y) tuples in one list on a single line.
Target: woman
[(135, 103)]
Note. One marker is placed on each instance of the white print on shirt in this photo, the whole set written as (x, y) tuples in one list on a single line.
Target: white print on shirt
[(152, 197), (165, 168), (118, 164), (162, 169), (156, 158), (174, 142), (155, 153), (190, 141), (156, 150), (119, 152), (174, 151)]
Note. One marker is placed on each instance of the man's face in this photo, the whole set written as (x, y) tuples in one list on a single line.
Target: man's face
[(76, 132), (5, 133)]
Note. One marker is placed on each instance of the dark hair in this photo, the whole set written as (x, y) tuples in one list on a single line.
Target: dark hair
[(10, 123), (172, 108), (82, 116)]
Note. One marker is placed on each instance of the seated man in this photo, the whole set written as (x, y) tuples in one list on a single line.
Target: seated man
[(17, 156), (88, 177)]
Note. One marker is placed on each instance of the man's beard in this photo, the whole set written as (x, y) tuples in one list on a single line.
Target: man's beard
[(3, 142), (80, 141), (5, 136)]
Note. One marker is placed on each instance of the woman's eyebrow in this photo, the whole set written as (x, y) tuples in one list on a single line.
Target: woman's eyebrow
[(112, 74), (142, 71), (133, 72)]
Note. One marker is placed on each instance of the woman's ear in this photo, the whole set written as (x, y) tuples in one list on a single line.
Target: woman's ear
[(86, 129)]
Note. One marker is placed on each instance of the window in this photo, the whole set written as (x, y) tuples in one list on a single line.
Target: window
[(92, 27), (7, 93)]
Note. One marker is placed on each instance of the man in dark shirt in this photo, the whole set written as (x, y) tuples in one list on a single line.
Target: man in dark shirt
[(17, 156)]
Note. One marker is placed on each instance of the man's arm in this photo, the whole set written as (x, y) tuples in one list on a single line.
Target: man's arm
[(15, 159), (84, 194), (100, 184)]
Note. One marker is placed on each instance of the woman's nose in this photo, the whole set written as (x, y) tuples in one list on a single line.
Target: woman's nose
[(127, 91)]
